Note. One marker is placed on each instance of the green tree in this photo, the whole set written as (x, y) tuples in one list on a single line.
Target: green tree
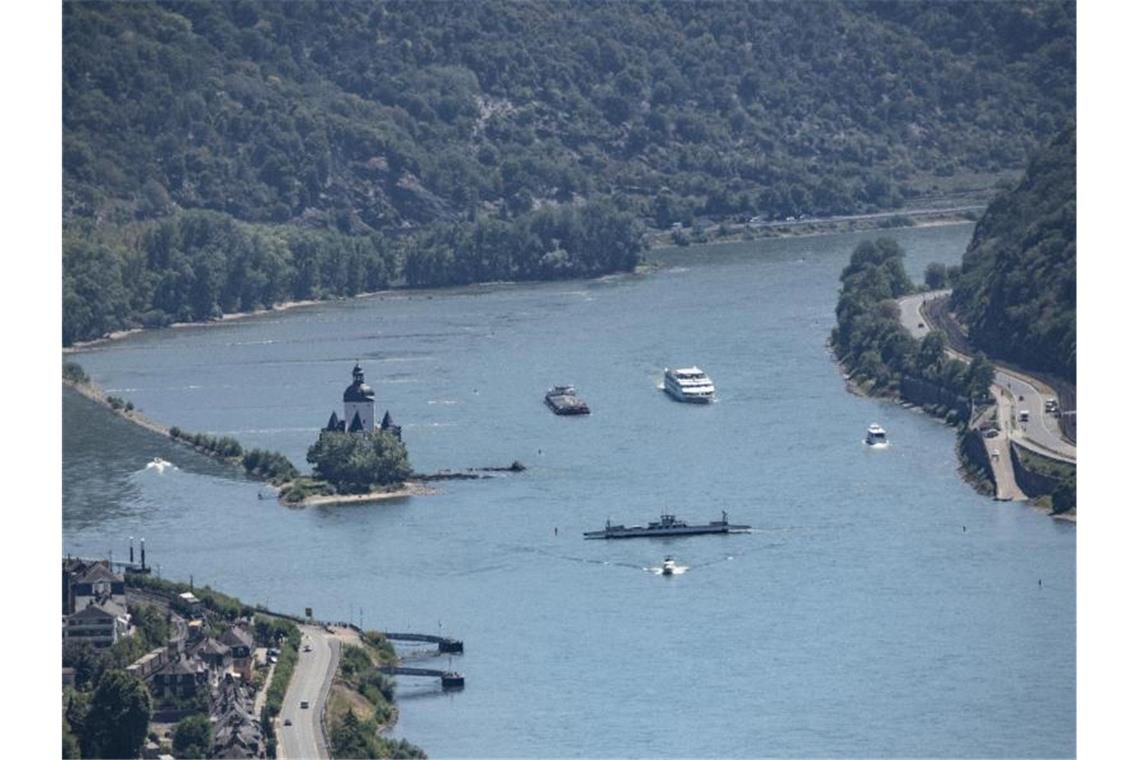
[(980, 376), (73, 372), (193, 737), (1065, 495), (116, 721), (82, 656), (353, 463), (70, 743), (935, 276)]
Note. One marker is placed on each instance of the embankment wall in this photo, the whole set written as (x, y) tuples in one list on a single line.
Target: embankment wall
[(973, 451), (1031, 483)]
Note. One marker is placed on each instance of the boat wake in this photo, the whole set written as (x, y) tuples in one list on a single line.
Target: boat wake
[(160, 465), (877, 445), (677, 570)]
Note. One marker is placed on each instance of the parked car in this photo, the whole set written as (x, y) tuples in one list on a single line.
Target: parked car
[(288, 722)]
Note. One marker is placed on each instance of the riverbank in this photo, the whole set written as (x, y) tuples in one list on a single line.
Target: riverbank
[(735, 233), (79, 346), (711, 235)]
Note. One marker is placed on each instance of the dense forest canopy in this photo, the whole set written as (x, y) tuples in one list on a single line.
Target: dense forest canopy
[(1018, 286), (404, 139)]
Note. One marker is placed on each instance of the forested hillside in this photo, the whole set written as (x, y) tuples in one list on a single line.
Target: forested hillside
[(426, 124), (1018, 287)]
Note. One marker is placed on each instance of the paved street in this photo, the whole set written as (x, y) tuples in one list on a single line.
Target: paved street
[(311, 680), (1041, 433), (1014, 393)]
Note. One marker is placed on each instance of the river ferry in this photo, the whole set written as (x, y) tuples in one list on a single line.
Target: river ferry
[(563, 399), (668, 525), (691, 385)]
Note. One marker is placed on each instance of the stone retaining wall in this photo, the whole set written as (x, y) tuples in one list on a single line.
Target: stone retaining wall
[(1031, 483)]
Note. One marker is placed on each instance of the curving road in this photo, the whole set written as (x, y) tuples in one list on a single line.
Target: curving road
[(1041, 433), (1014, 393), (312, 678)]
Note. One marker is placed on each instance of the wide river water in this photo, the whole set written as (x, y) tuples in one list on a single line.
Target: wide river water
[(880, 608)]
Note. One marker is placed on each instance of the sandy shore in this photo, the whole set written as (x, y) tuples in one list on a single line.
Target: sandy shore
[(411, 488)]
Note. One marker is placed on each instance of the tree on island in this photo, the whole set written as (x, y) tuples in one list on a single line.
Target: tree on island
[(355, 463)]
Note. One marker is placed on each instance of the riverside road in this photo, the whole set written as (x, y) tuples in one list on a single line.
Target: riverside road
[(1041, 433), (303, 739)]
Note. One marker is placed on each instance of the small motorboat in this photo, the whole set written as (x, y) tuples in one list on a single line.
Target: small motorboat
[(669, 567)]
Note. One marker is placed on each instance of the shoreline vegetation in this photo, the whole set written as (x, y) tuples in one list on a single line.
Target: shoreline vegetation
[(656, 240), (292, 489), (881, 359)]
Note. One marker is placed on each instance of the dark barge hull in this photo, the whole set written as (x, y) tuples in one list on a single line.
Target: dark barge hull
[(562, 405), (688, 530)]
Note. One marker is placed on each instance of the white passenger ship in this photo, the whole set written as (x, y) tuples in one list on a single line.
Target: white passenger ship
[(689, 385)]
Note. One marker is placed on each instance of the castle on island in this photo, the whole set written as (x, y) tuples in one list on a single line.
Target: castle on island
[(360, 410)]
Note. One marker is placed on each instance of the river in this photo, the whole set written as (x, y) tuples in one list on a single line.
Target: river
[(880, 608)]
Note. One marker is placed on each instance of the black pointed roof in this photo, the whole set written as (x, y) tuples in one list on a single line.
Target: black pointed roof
[(357, 424), (387, 421), (358, 391)]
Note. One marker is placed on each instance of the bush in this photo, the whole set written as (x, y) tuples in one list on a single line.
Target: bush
[(73, 373)]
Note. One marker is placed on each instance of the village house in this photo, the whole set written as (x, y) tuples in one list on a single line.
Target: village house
[(183, 678), (86, 582), (99, 623), (240, 642)]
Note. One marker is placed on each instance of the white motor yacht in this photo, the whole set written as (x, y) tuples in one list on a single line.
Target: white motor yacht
[(876, 436)]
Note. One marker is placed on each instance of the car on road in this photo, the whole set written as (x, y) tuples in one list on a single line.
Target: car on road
[(992, 433), (288, 722), (1023, 415), (307, 648), (304, 704), (996, 454)]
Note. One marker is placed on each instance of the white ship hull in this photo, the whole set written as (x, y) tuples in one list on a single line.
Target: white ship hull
[(690, 398)]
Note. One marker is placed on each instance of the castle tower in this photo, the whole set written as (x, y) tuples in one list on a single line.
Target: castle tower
[(359, 405)]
